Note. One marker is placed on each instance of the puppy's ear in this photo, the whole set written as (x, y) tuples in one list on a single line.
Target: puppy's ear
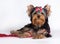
[(48, 8), (29, 9)]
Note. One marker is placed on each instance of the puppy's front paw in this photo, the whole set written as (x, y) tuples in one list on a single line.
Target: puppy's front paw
[(39, 36)]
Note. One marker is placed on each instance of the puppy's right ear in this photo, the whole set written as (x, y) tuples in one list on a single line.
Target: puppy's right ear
[(29, 9), (48, 8)]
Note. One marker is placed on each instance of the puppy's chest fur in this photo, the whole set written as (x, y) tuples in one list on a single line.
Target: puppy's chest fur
[(34, 28), (30, 26)]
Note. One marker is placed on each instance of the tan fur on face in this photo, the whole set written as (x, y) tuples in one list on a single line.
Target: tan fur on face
[(38, 21)]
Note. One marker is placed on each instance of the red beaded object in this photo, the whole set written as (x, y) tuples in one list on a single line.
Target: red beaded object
[(10, 35)]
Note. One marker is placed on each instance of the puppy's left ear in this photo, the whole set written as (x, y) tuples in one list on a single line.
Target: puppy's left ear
[(48, 8), (29, 9)]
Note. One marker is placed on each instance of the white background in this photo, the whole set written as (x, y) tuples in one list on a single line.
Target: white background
[(13, 13), (13, 16)]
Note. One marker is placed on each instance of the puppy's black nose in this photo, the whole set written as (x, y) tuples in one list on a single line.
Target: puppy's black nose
[(38, 16)]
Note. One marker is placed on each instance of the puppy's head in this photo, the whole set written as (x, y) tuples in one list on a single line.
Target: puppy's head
[(38, 15)]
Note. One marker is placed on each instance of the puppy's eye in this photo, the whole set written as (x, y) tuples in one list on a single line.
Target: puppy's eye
[(42, 13), (35, 13)]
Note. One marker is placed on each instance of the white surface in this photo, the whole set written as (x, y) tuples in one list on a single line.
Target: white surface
[(13, 16)]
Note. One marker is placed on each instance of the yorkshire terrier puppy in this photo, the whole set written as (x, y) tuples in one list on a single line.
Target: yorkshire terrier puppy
[(39, 27)]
